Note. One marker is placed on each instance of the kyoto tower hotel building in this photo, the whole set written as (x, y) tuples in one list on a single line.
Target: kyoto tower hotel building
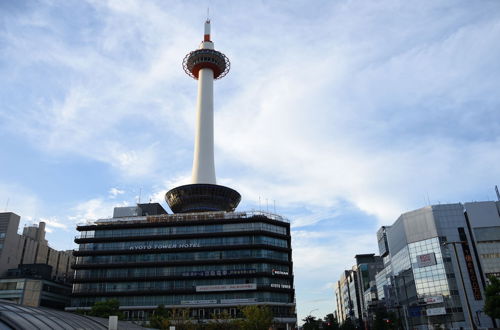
[(205, 257)]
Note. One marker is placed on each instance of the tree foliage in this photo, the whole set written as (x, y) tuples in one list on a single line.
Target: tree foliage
[(311, 323), (330, 322), (256, 318), (106, 309), (348, 324), (492, 301), (163, 319), (222, 321)]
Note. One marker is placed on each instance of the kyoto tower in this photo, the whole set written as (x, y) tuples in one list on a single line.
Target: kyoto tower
[(203, 195)]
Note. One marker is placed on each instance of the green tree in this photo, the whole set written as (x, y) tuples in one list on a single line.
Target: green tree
[(106, 308), (311, 323), (256, 318), (222, 321), (181, 320), (492, 301), (330, 322), (161, 318), (348, 324)]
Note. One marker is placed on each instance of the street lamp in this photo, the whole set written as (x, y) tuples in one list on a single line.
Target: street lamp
[(462, 280)]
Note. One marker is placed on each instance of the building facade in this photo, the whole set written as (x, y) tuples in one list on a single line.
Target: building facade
[(433, 267), (207, 262), (356, 289), (434, 273), (31, 272)]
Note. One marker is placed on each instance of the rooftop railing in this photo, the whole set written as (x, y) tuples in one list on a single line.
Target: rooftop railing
[(180, 217)]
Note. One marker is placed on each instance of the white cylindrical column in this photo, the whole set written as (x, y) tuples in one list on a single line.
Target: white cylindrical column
[(203, 161)]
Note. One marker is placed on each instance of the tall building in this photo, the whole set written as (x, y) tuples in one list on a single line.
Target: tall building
[(433, 267), (356, 289), (435, 263), (206, 257), (31, 272)]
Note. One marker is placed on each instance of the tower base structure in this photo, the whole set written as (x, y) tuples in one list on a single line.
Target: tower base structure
[(202, 197)]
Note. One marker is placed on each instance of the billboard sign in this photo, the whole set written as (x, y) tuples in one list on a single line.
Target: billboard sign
[(433, 300), (198, 302), (226, 287), (436, 311), (428, 259)]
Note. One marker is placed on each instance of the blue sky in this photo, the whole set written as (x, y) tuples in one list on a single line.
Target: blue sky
[(344, 114)]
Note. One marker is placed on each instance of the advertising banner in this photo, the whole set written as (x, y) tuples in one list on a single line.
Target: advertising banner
[(436, 311), (226, 287), (198, 302), (425, 260), (433, 300)]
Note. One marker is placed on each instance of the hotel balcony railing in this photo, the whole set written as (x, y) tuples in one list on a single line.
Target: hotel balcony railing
[(91, 234)]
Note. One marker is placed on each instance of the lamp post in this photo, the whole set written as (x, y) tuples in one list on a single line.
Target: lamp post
[(462, 280)]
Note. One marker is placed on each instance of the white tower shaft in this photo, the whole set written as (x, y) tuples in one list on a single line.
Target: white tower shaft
[(203, 160)]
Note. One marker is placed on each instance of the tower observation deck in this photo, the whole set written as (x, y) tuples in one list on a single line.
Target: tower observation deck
[(203, 194)]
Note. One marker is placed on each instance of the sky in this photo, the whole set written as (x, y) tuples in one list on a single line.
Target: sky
[(338, 115)]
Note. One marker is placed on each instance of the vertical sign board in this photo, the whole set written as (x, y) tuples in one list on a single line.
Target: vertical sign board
[(428, 259), (476, 290)]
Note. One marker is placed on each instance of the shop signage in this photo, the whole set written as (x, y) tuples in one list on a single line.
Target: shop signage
[(433, 300), (428, 259), (280, 286), (165, 246), (476, 290), (198, 302), (226, 287), (219, 272), (238, 301), (279, 272), (436, 311)]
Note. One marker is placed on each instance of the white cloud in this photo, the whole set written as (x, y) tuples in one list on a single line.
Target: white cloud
[(53, 223), (114, 192)]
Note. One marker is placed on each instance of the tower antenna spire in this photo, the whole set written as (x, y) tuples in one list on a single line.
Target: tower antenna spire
[(208, 14)]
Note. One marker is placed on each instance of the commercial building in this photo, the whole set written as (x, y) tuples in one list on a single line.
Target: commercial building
[(433, 267), (31, 272), (356, 289), (206, 257)]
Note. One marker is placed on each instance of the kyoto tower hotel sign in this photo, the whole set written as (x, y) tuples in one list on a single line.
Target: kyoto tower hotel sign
[(204, 64)]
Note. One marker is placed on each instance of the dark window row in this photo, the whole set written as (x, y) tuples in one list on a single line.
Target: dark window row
[(195, 270), (189, 300), (280, 283), (183, 256), (184, 243)]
